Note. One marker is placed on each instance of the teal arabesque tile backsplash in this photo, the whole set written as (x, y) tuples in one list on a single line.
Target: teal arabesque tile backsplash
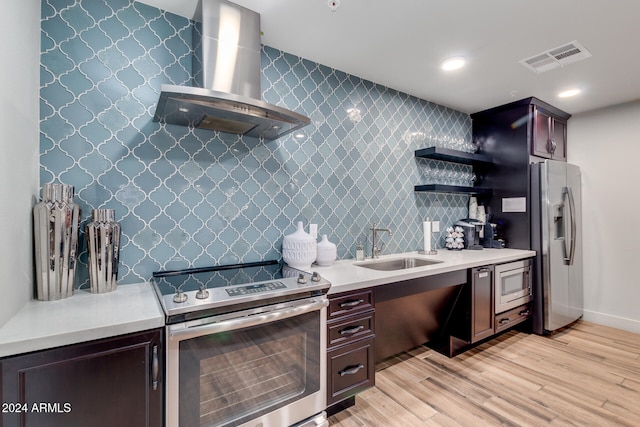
[(188, 197)]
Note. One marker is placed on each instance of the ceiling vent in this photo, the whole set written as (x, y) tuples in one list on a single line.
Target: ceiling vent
[(556, 57)]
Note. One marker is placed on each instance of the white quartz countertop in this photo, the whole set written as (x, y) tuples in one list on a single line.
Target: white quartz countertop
[(346, 275), (81, 317)]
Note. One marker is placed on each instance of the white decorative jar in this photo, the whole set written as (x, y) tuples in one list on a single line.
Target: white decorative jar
[(299, 249), (327, 252)]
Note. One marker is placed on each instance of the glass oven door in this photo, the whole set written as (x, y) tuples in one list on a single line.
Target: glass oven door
[(268, 367)]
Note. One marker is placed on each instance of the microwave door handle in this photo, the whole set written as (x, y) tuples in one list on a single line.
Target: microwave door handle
[(572, 216)]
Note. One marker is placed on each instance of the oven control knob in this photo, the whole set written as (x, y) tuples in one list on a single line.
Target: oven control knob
[(180, 296), (302, 279), (203, 293), (315, 277)]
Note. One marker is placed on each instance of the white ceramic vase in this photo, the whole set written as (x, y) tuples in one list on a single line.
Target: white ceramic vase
[(299, 249), (327, 252)]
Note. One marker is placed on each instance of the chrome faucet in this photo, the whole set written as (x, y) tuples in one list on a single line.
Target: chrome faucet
[(375, 250)]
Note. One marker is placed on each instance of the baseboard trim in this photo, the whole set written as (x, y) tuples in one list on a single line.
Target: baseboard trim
[(631, 325)]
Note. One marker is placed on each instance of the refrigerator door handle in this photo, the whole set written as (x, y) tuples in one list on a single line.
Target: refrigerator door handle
[(562, 227), (572, 215), (571, 241)]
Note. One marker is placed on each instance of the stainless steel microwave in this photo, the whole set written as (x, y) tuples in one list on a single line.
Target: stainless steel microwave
[(512, 285)]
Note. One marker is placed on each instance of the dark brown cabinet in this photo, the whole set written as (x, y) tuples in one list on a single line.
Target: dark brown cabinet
[(474, 318), (350, 338), (549, 139), (512, 317), (474, 315), (481, 304), (110, 382)]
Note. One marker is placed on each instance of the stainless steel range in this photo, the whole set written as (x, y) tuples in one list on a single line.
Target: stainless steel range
[(246, 345)]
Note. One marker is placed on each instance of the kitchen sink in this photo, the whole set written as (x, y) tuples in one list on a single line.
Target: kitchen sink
[(397, 264)]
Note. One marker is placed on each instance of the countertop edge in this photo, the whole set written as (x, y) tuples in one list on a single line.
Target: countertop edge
[(345, 276), (82, 317)]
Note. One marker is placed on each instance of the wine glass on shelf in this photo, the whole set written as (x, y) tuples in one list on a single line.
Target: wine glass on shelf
[(472, 179), (429, 175)]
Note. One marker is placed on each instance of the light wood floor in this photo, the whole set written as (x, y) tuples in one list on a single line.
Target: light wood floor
[(586, 375)]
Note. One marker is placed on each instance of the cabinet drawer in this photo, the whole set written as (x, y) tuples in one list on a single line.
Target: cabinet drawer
[(350, 329), (351, 303), (351, 370), (512, 317)]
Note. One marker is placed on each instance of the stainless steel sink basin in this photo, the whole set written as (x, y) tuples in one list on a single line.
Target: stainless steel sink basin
[(397, 264)]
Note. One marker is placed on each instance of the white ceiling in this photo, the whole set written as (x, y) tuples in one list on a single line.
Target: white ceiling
[(400, 44)]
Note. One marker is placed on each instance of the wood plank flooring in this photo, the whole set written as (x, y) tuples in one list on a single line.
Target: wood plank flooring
[(586, 375)]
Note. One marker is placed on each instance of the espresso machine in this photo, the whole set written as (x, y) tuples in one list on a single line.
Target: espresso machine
[(489, 238)]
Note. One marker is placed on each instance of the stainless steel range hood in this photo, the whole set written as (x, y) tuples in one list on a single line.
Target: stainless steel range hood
[(226, 66)]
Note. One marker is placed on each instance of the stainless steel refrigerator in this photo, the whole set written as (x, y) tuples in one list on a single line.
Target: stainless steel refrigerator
[(556, 235)]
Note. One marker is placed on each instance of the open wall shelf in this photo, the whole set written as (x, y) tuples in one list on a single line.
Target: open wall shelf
[(456, 189), (449, 155), (454, 156)]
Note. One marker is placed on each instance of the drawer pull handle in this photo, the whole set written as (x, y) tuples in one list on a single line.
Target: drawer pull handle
[(504, 321), (524, 313), (351, 370), (351, 330), (351, 303)]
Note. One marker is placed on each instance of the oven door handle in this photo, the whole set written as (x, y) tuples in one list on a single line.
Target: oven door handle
[(245, 322)]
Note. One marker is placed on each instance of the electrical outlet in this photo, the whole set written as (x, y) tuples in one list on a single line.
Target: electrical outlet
[(435, 226), (313, 230)]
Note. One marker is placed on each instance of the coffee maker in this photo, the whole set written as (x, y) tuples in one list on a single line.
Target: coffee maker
[(472, 229), (489, 237)]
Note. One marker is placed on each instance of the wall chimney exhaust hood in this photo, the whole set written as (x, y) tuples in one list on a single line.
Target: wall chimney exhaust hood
[(226, 67)]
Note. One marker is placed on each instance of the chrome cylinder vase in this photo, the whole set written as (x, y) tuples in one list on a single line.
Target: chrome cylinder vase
[(103, 247), (56, 220)]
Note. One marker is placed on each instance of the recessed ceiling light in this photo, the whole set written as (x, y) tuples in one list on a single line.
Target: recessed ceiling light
[(452, 63), (569, 93)]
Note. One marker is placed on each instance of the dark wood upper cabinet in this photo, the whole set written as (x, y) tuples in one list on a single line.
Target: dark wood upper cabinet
[(110, 382), (549, 138)]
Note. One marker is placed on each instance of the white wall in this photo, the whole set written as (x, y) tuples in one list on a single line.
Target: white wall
[(19, 117), (606, 145)]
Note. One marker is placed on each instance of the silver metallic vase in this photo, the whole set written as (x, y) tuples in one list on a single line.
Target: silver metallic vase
[(103, 246), (55, 227)]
